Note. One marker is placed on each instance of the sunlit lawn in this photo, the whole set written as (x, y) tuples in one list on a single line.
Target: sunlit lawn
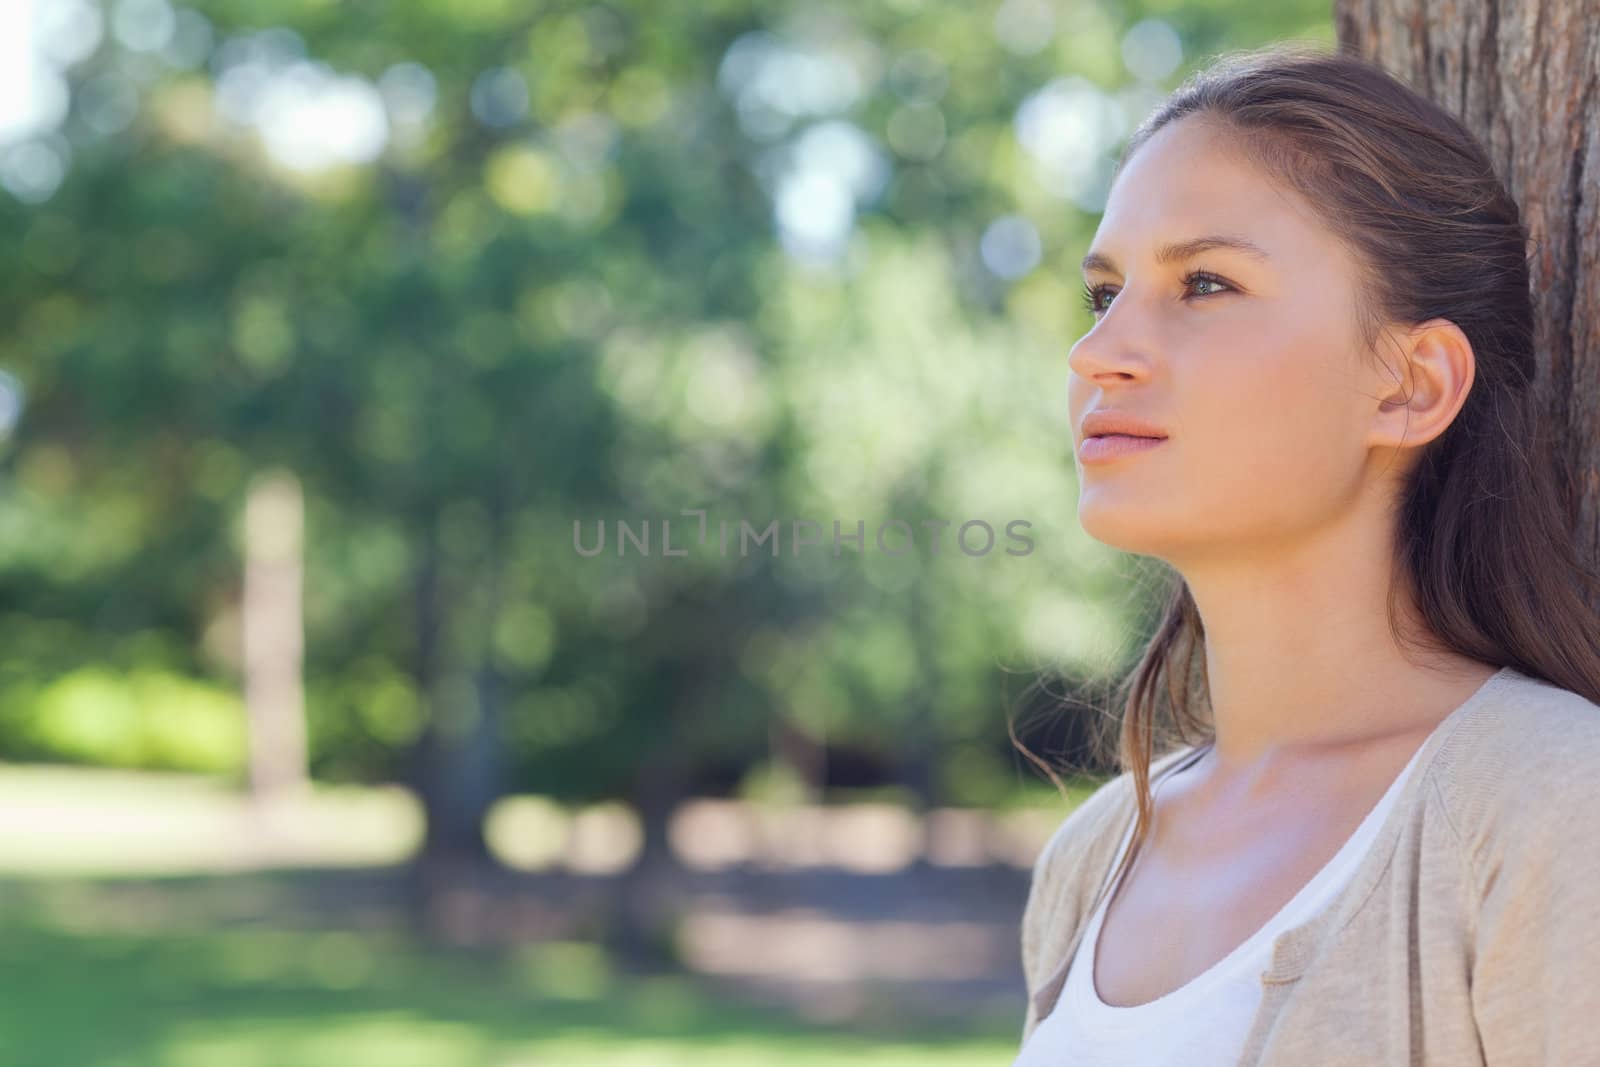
[(83, 985), (245, 997)]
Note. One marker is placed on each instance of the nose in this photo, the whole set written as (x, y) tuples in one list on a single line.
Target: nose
[(1100, 357), (1114, 348)]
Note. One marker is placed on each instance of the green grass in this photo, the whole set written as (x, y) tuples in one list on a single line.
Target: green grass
[(255, 997), (100, 971)]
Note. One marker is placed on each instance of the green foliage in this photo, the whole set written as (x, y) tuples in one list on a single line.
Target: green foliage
[(146, 718)]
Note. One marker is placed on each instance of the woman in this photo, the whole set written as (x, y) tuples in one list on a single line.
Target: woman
[(1306, 390)]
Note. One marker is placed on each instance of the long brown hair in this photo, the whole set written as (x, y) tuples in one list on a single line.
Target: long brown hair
[(1483, 537)]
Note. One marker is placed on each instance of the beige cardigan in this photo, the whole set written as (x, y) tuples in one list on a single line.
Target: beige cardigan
[(1469, 934)]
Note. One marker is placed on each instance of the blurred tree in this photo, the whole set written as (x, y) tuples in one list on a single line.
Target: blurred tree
[(475, 272)]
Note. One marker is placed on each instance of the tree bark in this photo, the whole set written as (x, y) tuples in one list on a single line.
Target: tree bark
[(1524, 76)]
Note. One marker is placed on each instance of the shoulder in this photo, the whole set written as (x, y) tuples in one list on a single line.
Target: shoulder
[(1522, 772), (1528, 751)]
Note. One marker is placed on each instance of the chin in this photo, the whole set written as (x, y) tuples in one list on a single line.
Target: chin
[(1126, 526)]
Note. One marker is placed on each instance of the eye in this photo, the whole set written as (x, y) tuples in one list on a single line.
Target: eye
[(1093, 293)]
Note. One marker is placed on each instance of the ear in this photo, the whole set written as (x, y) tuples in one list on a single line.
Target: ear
[(1427, 384)]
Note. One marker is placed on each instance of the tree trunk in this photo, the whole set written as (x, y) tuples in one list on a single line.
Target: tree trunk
[(1524, 76), (460, 770), (274, 637), (455, 768), (649, 902)]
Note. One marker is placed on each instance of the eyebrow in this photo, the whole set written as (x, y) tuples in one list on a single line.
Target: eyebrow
[(1181, 250)]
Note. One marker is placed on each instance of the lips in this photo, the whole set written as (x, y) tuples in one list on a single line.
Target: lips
[(1111, 446)]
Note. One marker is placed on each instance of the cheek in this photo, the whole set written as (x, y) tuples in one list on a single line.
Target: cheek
[(1270, 428)]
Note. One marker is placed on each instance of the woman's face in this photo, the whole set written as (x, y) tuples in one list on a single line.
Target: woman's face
[(1254, 371)]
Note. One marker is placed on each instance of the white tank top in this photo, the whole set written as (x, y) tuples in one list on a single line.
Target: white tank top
[(1204, 1022)]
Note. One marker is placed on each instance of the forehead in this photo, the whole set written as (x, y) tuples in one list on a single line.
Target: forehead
[(1187, 181)]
